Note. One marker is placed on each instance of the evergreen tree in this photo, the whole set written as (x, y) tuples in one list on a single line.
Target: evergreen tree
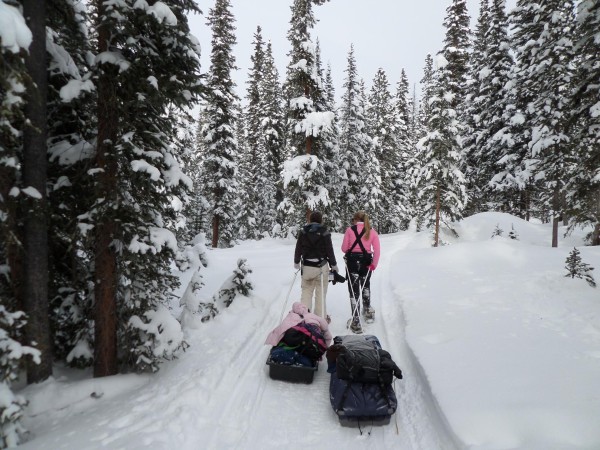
[(12, 100), (442, 185), (576, 268), (71, 131), (584, 188), (272, 135), (355, 144), (148, 68), (383, 123), (549, 75), (485, 117), (220, 164), (406, 137), (513, 175), (370, 194), (252, 165), (304, 172), (331, 156)]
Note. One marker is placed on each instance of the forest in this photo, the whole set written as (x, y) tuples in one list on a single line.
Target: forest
[(107, 177)]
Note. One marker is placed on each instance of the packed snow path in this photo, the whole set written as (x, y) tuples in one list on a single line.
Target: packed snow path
[(275, 414)]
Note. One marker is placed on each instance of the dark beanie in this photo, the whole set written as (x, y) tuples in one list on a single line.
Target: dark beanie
[(316, 216)]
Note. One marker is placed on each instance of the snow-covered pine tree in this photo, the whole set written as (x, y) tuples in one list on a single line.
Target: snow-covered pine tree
[(474, 102), (331, 156), (406, 115), (355, 144), (147, 67), (303, 172), (220, 163), (492, 74), (370, 191), (198, 209), (584, 188), (236, 284), (415, 163), (272, 135), (383, 123), (549, 73), (252, 157), (71, 130), (14, 42), (442, 184), (513, 174), (576, 268)]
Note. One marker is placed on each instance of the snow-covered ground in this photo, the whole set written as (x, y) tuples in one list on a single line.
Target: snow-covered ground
[(499, 351)]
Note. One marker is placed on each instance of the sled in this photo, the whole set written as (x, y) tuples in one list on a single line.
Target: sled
[(294, 373), (358, 404)]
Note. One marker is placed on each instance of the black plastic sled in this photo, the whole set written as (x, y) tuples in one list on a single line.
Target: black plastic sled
[(359, 403), (295, 373)]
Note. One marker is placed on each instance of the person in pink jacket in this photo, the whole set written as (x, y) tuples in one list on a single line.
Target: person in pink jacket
[(298, 314), (361, 249)]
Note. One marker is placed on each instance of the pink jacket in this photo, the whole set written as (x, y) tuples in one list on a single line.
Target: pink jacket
[(298, 313), (371, 245)]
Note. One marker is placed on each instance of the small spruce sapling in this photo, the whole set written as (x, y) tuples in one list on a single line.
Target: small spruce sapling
[(236, 284), (497, 231), (578, 269), (513, 233)]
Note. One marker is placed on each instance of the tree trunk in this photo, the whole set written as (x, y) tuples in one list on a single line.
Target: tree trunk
[(105, 308), (555, 217), (35, 241), (437, 217), (215, 231)]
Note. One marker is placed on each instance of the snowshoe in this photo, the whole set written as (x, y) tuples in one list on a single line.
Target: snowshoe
[(368, 314), (355, 326)]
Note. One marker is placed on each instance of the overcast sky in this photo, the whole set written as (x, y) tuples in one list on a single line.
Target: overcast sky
[(391, 34)]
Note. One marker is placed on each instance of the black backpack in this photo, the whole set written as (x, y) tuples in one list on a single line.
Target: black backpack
[(306, 339), (366, 364)]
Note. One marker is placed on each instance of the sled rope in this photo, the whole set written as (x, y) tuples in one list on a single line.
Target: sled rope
[(396, 415), (287, 298)]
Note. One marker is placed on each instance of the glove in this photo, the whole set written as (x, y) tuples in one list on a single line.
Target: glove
[(337, 278), (371, 267), (297, 266), (334, 269)]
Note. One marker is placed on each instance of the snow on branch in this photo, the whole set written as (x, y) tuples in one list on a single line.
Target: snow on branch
[(14, 33), (315, 122), (298, 169)]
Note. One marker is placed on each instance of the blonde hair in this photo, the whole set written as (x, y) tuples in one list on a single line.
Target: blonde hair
[(361, 216)]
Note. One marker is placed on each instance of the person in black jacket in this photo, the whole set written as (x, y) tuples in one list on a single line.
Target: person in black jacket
[(315, 250)]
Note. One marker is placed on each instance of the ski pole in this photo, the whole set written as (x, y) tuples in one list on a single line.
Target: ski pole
[(356, 304)]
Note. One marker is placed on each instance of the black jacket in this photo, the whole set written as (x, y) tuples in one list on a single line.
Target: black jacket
[(314, 242)]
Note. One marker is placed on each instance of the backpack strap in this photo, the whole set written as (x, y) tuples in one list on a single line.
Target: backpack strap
[(358, 240)]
